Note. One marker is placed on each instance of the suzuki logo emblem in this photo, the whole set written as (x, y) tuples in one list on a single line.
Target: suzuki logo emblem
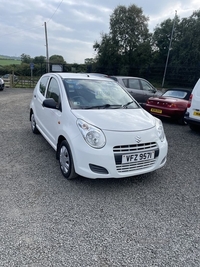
[(138, 139)]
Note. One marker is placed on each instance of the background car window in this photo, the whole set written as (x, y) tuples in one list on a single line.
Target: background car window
[(43, 84), (125, 82), (134, 84), (177, 94), (146, 86), (53, 90)]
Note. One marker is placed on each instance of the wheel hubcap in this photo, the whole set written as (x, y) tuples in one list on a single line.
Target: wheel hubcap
[(64, 160), (33, 122)]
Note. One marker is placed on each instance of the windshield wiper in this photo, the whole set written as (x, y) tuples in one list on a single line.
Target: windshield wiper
[(127, 104), (104, 106)]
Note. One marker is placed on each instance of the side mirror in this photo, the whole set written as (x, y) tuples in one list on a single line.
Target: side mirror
[(50, 103)]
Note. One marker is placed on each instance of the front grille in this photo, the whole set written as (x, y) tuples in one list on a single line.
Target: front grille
[(131, 149), (135, 148)]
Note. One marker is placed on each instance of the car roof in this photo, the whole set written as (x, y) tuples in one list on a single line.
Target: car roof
[(118, 76), (64, 75), (97, 74)]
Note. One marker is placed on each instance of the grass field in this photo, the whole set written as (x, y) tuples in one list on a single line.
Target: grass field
[(7, 61)]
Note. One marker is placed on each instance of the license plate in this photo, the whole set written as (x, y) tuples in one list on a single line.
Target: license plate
[(196, 113), (156, 110), (138, 157)]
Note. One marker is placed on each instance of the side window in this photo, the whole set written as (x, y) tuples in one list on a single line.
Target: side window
[(125, 82), (53, 91), (43, 84), (134, 84), (146, 86)]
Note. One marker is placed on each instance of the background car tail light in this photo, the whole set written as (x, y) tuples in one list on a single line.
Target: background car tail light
[(171, 105), (189, 101)]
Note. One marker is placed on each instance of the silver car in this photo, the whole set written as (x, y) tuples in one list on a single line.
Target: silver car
[(139, 88)]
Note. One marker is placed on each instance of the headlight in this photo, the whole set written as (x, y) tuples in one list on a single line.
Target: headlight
[(92, 135), (160, 130)]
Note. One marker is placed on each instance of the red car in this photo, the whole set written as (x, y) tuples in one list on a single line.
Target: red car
[(172, 104)]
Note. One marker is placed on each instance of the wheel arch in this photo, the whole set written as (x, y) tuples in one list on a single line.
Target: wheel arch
[(31, 112), (60, 139)]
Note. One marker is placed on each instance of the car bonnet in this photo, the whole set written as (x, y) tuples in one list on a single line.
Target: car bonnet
[(117, 119)]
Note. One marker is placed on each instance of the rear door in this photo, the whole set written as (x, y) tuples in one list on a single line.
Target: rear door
[(134, 88)]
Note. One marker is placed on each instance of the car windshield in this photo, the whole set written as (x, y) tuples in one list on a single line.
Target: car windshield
[(175, 93), (97, 94)]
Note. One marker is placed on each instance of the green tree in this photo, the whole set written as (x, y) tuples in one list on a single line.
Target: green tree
[(128, 42), (26, 58), (185, 42), (39, 60), (107, 59), (184, 53), (187, 50), (89, 61), (57, 59)]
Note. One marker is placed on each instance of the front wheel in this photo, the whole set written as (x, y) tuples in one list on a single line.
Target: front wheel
[(66, 161), (33, 124)]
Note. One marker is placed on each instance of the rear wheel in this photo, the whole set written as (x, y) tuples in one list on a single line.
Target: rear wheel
[(66, 161), (182, 121)]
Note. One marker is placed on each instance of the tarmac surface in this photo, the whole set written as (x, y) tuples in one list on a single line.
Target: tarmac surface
[(45, 220)]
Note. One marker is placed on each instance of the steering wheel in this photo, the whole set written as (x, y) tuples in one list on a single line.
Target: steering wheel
[(76, 98)]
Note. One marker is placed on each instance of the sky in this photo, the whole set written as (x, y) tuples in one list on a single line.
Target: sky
[(72, 26)]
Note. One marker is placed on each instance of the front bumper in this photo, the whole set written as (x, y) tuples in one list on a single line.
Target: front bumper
[(107, 162)]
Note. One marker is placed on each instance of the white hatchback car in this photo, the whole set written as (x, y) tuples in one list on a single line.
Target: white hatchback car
[(96, 128)]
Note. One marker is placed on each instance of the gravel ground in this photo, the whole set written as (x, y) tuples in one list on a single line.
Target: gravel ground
[(46, 220)]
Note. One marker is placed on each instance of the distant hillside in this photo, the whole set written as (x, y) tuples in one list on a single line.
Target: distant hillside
[(7, 60), (9, 57)]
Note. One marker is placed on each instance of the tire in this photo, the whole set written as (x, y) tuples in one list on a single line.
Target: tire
[(33, 124), (194, 127), (182, 121), (66, 161)]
